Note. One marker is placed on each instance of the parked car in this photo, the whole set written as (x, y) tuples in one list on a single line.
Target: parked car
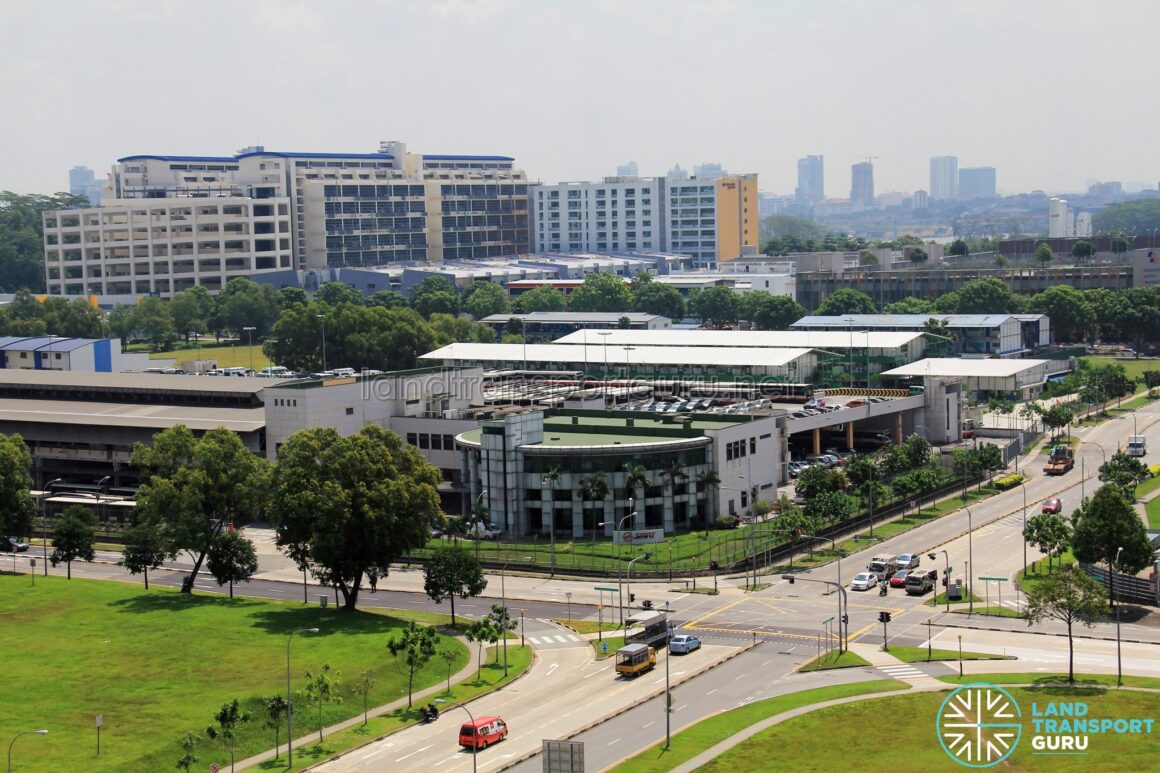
[(480, 530), (13, 545), (683, 644), (898, 579), (908, 560), (482, 732), (1052, 505), (859, 403), (864, 581)]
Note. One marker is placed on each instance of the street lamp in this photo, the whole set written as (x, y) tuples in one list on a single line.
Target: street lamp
[(101, 484), (616, 540), (604, 345), (1116, 604), (947, 575), (503, 603), (628, 581), (289, 705), (970, 564), (250, 345), (18, 735), (323, 318), (1023, 486), (44, 520), (474, 508), (474, 745)]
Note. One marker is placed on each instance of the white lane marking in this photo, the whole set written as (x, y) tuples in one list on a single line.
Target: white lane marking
[(612, 742), (377, 751), (444, 762), (650, 724), (710, 692), (561, 639), (534, 640), (412, 754)]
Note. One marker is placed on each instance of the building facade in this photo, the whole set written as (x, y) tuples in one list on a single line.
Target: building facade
[(811, 179), (944, 177), (82, 182), (862, 185), (977, 182)]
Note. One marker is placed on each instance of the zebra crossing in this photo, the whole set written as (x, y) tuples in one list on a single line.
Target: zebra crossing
[(901, 671), (556, 640)]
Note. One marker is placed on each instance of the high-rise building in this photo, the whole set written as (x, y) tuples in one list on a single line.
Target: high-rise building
[(921, 200), (709, 171), (862, 184), (82, 182), (171, 222), (944, 177), (710, 220), (977, 182), (811, 180), (627, 170)]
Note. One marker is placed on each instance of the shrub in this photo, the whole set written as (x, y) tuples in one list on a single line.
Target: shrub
[(1008, 482), (1153, 470)]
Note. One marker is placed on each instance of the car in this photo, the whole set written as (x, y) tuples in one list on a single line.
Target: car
[(13, 545), (799, 414), (908, 560), (898, 579), (1053, 505), (479, 530), (481, 732), (859, 403), (864, 581), (683, 644), (918, 583)]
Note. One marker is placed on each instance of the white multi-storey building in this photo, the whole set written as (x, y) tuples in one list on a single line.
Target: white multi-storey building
[(944, 177)]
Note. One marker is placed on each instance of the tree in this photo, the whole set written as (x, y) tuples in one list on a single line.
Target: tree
[(16, 506), (909, 305), (190, 310), (1055, 418), (122, 322), (388, 299), (230, 719), (1138, 216), (1069, 596), (1151, 378), (846, 301), (22, 237), (448, 657), (334, 293), (73, 537), (708, 481), (552, 478), (594, 488), (144, 549), (232, 559), (187, 758), (766, 311), (1120, 245), (245, 303), (1124, 472), (542, 298), (292, 296), (652, 297), (1082, 249), (353, 503), (1110, 380), (817, 480), (601, 292), (985, 296), (636, 479), (917, 255), (830, 507), (674, 474), (449, 330), (417, 644), (480, 632), (322, 688), (451, 572), (275, 713), (1049, 532), (152, 318), (1043, 254), (1106, 524), (958, 247), (435, 294), (501, 623), (1072, 316), (366, 681), (716, 307), (194, 487), (482, 299)]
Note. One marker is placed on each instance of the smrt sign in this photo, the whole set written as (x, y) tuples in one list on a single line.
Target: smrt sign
[(639, 536)]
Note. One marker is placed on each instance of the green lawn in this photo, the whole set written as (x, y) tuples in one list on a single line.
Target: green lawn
[(1132, 367), (991, 611), (156, 664), (587, 626), (614, 643), (835, 659), (816, 741), (1039, 570), (941, 599), (1148, 486), (233, 356), (1153, 510), (918, 654), (1053, 680), (693, 740)]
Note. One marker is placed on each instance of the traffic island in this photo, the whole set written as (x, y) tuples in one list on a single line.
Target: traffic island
[(835, 659)]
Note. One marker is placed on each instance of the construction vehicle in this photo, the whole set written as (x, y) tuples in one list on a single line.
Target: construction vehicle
[(1062, 459), (1137, 445)]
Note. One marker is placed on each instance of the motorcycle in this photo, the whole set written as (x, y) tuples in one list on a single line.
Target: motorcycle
[(882, 588), (429, 713)]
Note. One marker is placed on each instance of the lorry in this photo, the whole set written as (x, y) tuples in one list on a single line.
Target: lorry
[(884, 566), (634, 659), (1062, 459), (1137, 445)]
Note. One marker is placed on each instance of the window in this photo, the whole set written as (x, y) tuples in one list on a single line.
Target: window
[(349, 411), (753, 445), (436, 442), (424, 442), (412, 439), (448, 442)]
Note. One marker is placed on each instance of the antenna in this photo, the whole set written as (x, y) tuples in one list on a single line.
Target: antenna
[(870, 158)]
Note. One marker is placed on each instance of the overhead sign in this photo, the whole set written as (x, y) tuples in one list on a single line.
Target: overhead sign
[(992, 579), (639, 536), (605, 590)]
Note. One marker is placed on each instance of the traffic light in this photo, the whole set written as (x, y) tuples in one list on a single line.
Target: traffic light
[(631, 597), (845, 619), (647, 604), (884, 617)]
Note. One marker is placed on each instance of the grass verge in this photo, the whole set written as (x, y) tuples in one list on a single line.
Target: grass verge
[(941, 600), (919, 654), (586, 626), (614, 643), (835, 659), (158, 663), (991, 611), (1040, 569), (235, 356), (1153, 511), (696, 738), (813, 742), (1055, 680)]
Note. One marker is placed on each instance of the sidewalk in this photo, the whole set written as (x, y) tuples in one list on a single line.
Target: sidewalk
[(463, 675)]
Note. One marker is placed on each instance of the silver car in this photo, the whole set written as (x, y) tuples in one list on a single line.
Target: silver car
[(864, 581)]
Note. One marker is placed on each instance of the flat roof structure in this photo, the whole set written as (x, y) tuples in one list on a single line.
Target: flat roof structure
[(574, 317), (766, 339), (966, 368), (133, 381), (619, 433), (855, 321), (130, 415), (595, 355)]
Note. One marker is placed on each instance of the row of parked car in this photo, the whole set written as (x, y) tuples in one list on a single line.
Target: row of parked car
[(831, 458)]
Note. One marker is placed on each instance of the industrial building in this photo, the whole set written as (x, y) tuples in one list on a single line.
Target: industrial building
[(1018, 379), (973, 335), (90, 355)]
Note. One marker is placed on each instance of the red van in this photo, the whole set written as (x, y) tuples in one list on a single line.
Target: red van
[(483, 732)]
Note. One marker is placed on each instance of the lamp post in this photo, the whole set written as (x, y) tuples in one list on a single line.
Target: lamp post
[(604, 345), (474, 745), (101, 484), (628, 581), (250, 345), (474, 507), (44, 520), (970, 565), (1116, 603), (13, 743), (323, 318), (546, 481), (628, 368), (946, 575), (289, 705), (1023, 486), (668, 695), (619, 589), (503, 602)]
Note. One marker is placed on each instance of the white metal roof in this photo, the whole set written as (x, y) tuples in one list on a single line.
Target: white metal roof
[(578, 317), (158, 381), (131, 415), (966, 368), (766, 339), (617, 355)]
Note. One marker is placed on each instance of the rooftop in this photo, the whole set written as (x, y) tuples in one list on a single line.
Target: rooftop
[(579, 317), (597, 354), (622, 432), (767, 339), (966, 368), (148, 381), (133, 415), (902, 320)]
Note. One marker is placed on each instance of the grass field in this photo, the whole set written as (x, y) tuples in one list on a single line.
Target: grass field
[(835, 659), (1153, 510), (614, 643), (156, 664), (815, 742), (234, 356), (918, 654), (1054, 680), (693, 740), (1134, 368)]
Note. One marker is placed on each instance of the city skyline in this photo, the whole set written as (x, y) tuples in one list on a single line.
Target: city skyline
[(335, 79)]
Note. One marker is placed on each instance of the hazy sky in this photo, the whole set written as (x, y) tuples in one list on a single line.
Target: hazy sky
[(1052, 94)]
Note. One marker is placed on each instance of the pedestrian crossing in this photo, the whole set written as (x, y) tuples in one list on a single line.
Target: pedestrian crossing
[(556, 640), (901, 671)]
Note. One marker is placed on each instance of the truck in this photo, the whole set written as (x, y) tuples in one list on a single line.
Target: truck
[(1137, 445), (884, 566), (634, 659), (1062, 459)]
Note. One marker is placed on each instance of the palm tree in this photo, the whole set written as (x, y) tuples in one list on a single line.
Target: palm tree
[(636, 478), (552, 478), (708, 480), (592, 488), (674, 473)]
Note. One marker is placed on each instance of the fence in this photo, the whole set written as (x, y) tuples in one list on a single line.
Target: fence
[(1128, 586)]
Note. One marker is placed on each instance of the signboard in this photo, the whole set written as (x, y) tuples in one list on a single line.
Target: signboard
[(605, 590), (563, 756), (638, 536), (992, 579), (100, 719)]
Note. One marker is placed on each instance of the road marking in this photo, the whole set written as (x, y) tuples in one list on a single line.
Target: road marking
[(612, 742), (412, 754), (378, 751), (650, 724), (534, 641), (561, 639), (678, 708), (594, 673), (710, 692), (766, 663)]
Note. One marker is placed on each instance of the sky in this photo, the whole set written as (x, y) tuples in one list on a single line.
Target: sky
[(1054, 94)]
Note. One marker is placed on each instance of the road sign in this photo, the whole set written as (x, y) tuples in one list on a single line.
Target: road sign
[(606, 590), (604, 646), (992, 579), (100, 719)]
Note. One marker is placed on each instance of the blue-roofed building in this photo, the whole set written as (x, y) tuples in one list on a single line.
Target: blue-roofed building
[(86, 355), (170, 222)]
